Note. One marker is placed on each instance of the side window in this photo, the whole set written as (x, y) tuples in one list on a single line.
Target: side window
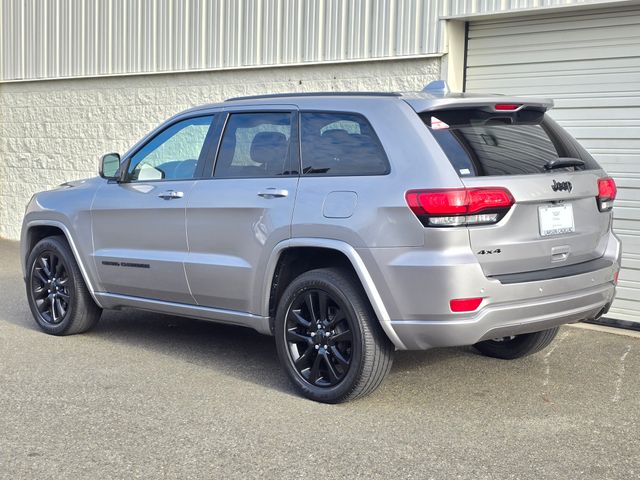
[(254, 145), (173, 153), (340, 144)]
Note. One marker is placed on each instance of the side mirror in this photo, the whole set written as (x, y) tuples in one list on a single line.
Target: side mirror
[(109, 166)]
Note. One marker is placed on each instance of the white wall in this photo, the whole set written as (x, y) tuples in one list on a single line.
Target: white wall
[(54, 131)]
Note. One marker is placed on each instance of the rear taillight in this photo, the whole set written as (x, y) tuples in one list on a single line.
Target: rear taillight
[(460, 206), (606, 193)]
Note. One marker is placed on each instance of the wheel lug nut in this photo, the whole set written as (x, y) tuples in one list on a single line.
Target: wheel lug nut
[(326, 347), (313, 334), (317, 347)]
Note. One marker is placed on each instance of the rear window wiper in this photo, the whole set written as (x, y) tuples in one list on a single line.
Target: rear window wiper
[(563, 162)]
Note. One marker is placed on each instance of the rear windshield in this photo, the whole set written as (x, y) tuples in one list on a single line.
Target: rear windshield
[(481, 143)]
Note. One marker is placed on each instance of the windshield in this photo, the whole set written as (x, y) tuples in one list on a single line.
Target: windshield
[(482, 143)]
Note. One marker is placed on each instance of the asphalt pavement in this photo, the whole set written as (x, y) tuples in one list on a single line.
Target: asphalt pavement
[(154, 396)]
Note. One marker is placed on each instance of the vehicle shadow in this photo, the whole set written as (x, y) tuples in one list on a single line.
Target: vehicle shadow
[(235, 351)]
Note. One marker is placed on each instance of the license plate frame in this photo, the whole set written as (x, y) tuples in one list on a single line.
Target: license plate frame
[(556, 220)]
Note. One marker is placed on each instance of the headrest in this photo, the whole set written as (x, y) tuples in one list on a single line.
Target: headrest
[(269, 148), (337, 135)]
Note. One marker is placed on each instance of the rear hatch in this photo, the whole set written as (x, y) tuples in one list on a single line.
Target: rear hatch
[(556, 217)]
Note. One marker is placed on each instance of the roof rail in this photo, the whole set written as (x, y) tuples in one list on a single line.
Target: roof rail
[(317, 94)]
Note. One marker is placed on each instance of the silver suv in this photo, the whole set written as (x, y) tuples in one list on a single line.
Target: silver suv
[(346, 225)]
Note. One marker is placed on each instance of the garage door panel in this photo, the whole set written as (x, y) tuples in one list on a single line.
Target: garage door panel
[(572, 97), (627, 294), (561, 22), (629, 197), (628, 63), (612, 77), (628, 134), (631, 215), (630, 242), (604, 99), (631, 276), (590, 114), (589, 143), (622, 314), (614, 169), (590, 85), (553, 54), (632, 263), (589, 63), (581, 38)]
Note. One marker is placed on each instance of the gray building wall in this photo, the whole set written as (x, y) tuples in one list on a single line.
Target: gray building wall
[(69, 38)]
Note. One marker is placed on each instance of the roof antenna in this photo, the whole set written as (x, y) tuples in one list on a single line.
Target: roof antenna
[(438, 87)]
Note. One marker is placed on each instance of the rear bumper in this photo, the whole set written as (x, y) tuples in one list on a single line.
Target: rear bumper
[(500, 320), (417, 284)]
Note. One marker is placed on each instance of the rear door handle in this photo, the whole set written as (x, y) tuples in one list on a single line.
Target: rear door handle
[(171, 194), (273, 193)]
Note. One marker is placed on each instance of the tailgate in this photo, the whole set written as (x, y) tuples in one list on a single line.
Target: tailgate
[(544, 228), (556, 219)]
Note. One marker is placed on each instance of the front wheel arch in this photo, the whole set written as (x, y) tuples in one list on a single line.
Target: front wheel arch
[(37, 230)]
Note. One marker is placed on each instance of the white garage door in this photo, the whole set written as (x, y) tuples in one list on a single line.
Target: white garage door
[(589, 63)]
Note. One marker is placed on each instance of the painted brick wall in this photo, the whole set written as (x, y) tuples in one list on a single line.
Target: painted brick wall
[(55, 131)]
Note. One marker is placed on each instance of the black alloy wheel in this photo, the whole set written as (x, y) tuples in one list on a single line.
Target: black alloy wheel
[(58, 296), (328, 338), (319, 337), (50, 284)]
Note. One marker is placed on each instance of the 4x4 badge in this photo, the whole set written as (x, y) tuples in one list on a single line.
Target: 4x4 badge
[(559, 186)]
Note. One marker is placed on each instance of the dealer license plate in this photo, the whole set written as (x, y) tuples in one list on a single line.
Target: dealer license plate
[(556, 219)]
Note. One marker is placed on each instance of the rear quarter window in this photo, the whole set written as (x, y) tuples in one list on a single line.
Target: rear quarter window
[(478, 143), (340, 144)]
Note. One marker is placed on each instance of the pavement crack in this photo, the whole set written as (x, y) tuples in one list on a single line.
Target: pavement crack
[(621, 369)]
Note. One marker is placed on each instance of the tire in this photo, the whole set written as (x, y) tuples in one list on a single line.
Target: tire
[(509, 348), (328, 308), (73, 309)]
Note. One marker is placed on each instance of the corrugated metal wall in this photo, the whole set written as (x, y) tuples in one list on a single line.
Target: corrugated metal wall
[(66, 38), (589, 63)]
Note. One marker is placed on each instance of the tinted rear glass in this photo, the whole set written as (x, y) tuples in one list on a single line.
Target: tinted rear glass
[(481, 143), (340, 144)]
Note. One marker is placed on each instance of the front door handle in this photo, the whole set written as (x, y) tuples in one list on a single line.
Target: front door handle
[(171, 194), (273, 193)]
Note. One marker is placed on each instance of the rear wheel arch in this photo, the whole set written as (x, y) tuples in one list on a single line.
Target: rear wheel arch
[(293, 257), (293, 261)]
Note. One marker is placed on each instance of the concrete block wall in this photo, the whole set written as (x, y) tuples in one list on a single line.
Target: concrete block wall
[(55, 131)]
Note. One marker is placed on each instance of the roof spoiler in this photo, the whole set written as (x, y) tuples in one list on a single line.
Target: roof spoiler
[(437, 96)]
